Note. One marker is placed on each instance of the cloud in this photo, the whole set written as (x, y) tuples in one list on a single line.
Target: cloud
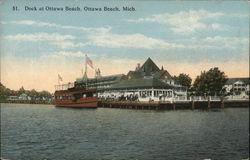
[(140, 41), (188, 22), (237, 43), (46, 24), (3, 22), (70, 54), (40, 37), (68, 44), (137, 41), (61, 41), (130, 41), (226, 39), (108, 39), (219, 27), (73, 55), (215, 43), (238, 15), (63, 44)]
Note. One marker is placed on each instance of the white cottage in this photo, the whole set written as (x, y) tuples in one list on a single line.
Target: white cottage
[(237, 88)]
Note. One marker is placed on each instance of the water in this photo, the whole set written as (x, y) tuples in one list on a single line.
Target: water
[(37, 132)]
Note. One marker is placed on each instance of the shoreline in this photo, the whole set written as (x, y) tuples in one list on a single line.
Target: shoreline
[(47, 104), (178, 105)]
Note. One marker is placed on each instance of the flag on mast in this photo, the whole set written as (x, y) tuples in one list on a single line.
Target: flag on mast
[(60, 78), (89, 62)]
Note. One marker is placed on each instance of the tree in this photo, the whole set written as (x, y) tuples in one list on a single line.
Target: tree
[(184, 80), (21, 91), (4, 92), (210, 82), (33, 93), (44, 94)]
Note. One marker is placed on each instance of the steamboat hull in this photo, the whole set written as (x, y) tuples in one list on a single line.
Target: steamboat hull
[(91, 104), (76, 99)]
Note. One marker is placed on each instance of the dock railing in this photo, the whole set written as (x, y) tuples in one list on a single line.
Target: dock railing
[(197, 98), (64, 86)]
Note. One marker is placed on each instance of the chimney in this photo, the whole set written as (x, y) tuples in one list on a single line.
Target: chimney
[(138, 67)]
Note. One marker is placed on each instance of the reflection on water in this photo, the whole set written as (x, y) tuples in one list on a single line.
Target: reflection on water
[(45, 132)]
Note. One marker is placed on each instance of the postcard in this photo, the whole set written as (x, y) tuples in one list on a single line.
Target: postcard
[(124, 79)]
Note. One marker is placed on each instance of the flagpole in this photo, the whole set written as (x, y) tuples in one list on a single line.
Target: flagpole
[(58, 80), (86, 70)]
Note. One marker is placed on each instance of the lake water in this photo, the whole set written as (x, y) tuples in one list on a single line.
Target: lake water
[(38, 132)]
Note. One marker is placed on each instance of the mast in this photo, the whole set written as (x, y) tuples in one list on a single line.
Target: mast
[(85, 73)]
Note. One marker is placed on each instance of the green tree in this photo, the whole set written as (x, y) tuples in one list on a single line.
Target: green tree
[(44, 94), (210, 82), (4, 92), (21, 91), (33, 93), (184, 80)]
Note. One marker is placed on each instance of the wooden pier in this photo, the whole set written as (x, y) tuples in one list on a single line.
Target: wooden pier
[(178, 105)]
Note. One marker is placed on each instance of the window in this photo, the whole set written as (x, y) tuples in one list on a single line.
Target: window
[(164, 93), (143, 94), (156, 93), (149, 93)]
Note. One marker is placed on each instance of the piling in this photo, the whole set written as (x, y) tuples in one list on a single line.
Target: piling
[(192, 104), (208, 102), (222, 102)]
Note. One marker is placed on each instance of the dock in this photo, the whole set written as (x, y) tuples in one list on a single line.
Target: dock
[(178, 105)]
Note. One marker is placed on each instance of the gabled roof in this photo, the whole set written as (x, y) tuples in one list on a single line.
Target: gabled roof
[(149, 66), (161, 73), (148, 69), (140, 83), (233, 80), (135, 74)]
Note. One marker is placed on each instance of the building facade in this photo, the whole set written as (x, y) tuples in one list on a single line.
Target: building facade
[(146, 83), (237, 88)]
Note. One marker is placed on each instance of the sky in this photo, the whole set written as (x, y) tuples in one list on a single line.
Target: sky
[(182, 36)]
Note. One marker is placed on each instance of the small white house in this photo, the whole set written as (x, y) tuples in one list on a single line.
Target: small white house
[(23, 97), (237, 88), (13, 97)]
